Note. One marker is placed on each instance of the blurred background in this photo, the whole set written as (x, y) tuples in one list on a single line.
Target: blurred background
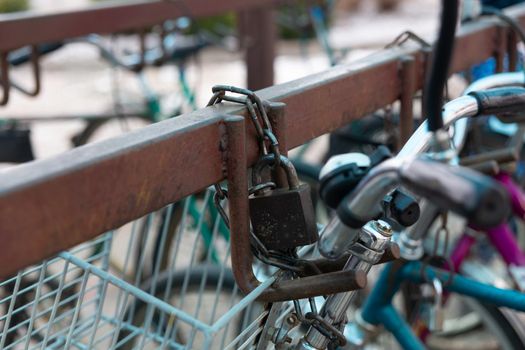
[(82, 80), (100, 86)]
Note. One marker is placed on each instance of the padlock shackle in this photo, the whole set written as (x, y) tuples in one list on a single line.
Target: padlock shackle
[(269, 160)]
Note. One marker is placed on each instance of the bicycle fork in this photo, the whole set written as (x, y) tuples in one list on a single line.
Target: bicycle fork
[(370, 246)]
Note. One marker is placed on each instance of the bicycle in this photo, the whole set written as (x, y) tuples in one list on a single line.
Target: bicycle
[(173, 49), (335, 241), (85, 331)]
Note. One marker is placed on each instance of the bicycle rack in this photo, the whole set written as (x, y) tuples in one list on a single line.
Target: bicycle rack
[(153, 170), (7, 83), (315, 105)]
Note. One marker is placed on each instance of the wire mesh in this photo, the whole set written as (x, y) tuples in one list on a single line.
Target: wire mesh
[(163, 281)]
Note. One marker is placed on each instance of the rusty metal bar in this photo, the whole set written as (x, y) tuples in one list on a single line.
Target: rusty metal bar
[(53, 204), (17, 30), (312, 286), (4, 77), (392, 253), (258, 34), (277, 118), (35, 66)]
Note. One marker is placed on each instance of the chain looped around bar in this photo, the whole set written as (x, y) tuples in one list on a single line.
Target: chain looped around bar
[(255, 106), (284, 260)]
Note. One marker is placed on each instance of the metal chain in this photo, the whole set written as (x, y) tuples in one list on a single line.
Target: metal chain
[(411, 36), (287, 261), (257, 113), (267, 140), (406, 36)]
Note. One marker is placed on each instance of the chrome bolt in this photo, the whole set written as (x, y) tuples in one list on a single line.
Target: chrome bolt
[(383, 228), (292, 320)]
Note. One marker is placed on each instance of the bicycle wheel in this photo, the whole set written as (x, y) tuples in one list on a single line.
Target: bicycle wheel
[(468, 324), (202, 292), (490, 328)]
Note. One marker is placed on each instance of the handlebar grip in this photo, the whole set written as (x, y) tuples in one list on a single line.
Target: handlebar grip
[(506, 102), (478, 198)]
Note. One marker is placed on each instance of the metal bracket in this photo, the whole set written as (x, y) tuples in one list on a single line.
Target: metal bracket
[(35, 64)]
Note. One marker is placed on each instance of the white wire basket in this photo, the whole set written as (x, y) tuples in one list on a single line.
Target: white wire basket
[(161, 282)]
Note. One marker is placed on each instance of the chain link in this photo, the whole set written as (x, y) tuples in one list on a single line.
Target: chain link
[(257, 112)]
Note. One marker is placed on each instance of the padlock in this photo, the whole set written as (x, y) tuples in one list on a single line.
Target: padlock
[(282, 218), (433, 311)]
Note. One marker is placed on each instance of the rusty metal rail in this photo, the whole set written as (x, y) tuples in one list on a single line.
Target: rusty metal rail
[(21, 29), (30, 28), (50, 205)]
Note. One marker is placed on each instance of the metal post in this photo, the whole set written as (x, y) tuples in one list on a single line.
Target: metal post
[(512, 50), (258, 32), (501, 49), (408, 81)]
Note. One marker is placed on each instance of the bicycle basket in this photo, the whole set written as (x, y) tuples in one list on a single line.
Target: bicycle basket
[(163, 281)]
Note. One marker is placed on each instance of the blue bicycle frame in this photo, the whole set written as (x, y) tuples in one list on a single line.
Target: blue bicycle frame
[(378, 308)]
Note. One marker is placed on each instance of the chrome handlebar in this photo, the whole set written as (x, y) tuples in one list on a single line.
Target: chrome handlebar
[(456, 111), (485, 196)]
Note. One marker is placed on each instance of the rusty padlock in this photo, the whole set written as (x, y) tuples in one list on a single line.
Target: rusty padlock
[(282, 218)]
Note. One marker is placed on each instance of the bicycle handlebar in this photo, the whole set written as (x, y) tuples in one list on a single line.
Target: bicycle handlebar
[(175, 49), (507, 102), (463, 191), (477, 197), (497, 101), (466, 192)]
